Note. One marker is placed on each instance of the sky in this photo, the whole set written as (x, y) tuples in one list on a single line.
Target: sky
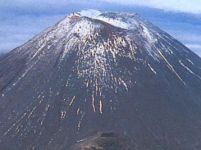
[(20, 20)]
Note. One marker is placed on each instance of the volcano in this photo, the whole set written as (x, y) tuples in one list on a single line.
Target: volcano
[(101, 78)]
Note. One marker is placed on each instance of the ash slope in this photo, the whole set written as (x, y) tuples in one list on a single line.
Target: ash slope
[(95, 72)]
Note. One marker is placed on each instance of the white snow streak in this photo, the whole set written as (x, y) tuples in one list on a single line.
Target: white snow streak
[(101, 106), (171, 67), (152, 69), (189, 70)]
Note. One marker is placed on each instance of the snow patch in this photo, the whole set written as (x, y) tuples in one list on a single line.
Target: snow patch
[(114, 22), (148, 35)]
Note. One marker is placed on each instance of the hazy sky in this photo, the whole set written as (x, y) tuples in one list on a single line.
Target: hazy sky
[(192, 6), (22, 19)]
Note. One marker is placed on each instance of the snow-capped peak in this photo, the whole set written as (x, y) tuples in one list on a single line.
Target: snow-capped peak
[(95, 14)]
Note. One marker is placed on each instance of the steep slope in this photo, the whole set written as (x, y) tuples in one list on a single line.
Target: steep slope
[(100, 72)]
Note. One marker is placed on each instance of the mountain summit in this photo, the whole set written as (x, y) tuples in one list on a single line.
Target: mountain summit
[(100, 78)]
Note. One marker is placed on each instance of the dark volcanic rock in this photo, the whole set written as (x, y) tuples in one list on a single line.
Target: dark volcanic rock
[(104, 141), (102, 72)]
